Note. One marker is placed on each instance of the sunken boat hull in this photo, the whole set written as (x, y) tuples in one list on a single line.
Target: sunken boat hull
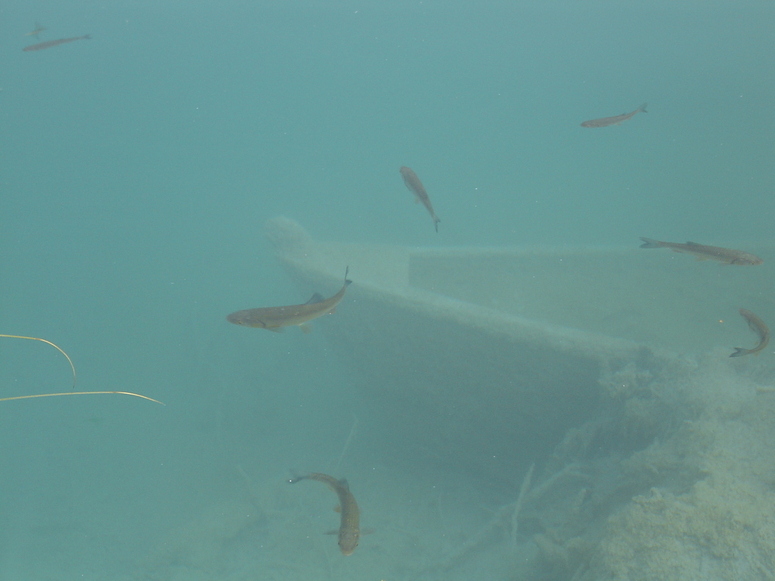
[(491, 357)]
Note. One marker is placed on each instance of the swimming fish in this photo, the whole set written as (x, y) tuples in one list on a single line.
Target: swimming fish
[(415, 185), (606, 121), (50, 43), (757, 326), (276, 318), (702, 252), (38, 29), (349, 527)]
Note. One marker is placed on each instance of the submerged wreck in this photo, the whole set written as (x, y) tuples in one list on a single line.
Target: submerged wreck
[(599, 378)]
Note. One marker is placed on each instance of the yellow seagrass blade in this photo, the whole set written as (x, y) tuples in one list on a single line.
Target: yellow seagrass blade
[(72, 367), (54, 345)]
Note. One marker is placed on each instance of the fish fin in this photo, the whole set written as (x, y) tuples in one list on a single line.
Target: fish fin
[(316, 298), (642, 108), (338, 508), (649, 243), (417, 199), (739, 351), (275, 329), (295, 477), (331, 533), (306, 328)]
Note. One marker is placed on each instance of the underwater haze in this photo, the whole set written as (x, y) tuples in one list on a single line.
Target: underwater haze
[(139, 168)]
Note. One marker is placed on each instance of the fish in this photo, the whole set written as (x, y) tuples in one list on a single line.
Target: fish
[(606, 121), (276, 318), (349, 526), (50, 43), (702, 252), (415, 186), (757, 326), (38, 29)]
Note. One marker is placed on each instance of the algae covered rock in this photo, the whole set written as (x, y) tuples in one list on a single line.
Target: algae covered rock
[(720, 528)]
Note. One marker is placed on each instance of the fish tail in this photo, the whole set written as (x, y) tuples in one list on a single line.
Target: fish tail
[(296, 477), (642, 108), (739, 352), (436, 223), (347, 281), (86, 36), (650, 243)]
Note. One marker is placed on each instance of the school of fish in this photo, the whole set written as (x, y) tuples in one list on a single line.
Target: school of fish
[(278, 318)]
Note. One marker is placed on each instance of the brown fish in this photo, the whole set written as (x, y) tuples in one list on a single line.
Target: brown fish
[(702, 252), (50, 43), (757, 326), (38, 29), (606, 121), (415, 185), (349, 526), (276, 318)]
